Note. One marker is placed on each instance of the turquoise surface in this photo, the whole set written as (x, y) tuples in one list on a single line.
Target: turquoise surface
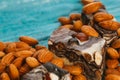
[(38, 18)]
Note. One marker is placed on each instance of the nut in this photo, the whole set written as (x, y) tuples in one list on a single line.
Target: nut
[(11, 47), (77, 25), (2, 54), (38, 47), (32, 62), (18, 62), (2, 67), (112, 71), (118, 32), (68, 26), (32, 50), (58, 62), (74, 70), (116, 44), (64, 20), (110, 25), (112, 53), (4, 76), (112, 77), (82, 37), (45, 56), (2, 46), (13, 72), (87, 1), (92, 7), (112, 63), (75, 16), (102, 16), (88, 30), (79, 77), (8, 58), (29, 40), (24, 53)]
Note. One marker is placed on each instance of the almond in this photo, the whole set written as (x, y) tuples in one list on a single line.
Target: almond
[(112, 71), (102, 16), (24, 53), (112, 77), (11, 47), (2, 46), (2, 67), (38, 47), (24, 69), (79, 77), (116, 44), (2, 54), (18, 62), (32, 50), (45, 56), (74, 70), (118, 32), (8, 58), (29, 40), (13, 72), (35, 55), (32, 62), (112, 53), (22, 46), (68, 26), (75, 16), (58, 62), (4, 76), (88, 30), (87, 1), (92, 7), (64, 20), (110, 25), (77, 25), (112, 63)]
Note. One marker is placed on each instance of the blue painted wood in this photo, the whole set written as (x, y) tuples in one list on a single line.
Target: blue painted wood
[(38, 18)]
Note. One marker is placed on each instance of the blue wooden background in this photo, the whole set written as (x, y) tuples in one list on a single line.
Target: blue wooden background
[(38, 18)]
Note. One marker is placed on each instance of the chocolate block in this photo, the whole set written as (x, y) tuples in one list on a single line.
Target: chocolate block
[(47, 71), (90, 54)]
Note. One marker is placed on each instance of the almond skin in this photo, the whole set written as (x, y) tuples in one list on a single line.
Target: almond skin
[(77, 25), (32, 62), (112, 71), (4, 76), (102, 16), (64, 20), (11, 47), (45, 56), (88, 30), (118, 32), (92, 7), (112, 53), (68, 26), (29, 40), (74, 70), (116, 44), (75, 16), (110, 25), (2, 54), (13, 72), (112, 63), (58, 62), (87, 1), (79, 77), (2, 46), (112, 77), (2, 67)]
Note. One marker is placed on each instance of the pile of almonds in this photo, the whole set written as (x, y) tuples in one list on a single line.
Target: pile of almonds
[(18, 58)]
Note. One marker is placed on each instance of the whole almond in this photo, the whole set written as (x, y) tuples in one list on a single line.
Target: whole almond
[(29, 40), (112, 71), (88, 30), (4, 76), (112, 77), (79, 77), (75, 16), (64, 20), (102, 16), (32, 50), (18, 62), (116, 44), (92, 7), (8, 58), (58, 62), (77, 25), (110, 25), (35, 55), (13, 72), (68, 26), (11, 47), (38, 47), (24, 53), (87, 1), (32, 62), (2, 54), (74, 70), (22, 46), (112, 63), (118, 68), (2, 46), (45, 56), (112, 53), (118, 32), (2, 67)]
